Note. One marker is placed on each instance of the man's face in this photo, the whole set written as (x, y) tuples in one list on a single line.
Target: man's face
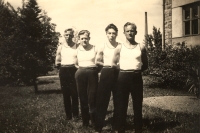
[(130, 32), (84, 39), (111, 35), (68, 36)]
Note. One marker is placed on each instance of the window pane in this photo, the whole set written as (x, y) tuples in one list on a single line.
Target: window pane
[(194, 12), (187, 27), (187, 13), (195, 26)]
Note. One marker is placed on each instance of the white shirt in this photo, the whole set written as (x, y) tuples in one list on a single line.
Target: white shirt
[(86, 58), (130, 58), (108, 54), (68, 55)]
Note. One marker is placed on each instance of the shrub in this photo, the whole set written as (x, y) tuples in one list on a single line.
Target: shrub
[(174, 64), (28, 42), (179, 66), (154, 49)]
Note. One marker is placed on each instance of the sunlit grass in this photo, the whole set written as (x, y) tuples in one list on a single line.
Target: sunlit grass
[(23, 111)]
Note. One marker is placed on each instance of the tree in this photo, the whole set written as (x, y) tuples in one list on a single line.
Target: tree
[(40, 42), (28, 43), (154, 49), (9, 33)]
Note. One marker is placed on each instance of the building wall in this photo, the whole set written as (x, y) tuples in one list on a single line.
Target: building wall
[(173, 24), (168, 21), (177, 28), (177, 3), (190, 40)]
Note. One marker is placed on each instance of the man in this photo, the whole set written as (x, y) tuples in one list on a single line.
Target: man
[(108, 78), (65, 60), (132, 58), (86, 77)]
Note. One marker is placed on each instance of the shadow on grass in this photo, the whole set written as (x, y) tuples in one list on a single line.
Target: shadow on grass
[(159, 124), (41, 82), (49, 92), (153, 125)]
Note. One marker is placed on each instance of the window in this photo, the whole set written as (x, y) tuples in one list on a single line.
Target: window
[(191, 19)]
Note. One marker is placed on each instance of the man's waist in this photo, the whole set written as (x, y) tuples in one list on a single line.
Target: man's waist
[(67, 65), (131, 70)]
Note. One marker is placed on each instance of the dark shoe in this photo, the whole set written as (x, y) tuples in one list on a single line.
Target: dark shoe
[(138, 130), (68, 118), (98, 130), (75, 118), (114, 131), (85, 124), (92, 118)]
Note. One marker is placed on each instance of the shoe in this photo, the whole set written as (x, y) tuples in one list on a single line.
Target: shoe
[(97, 130), (138, 130), (68, 118), (75, 118), (92, 118)]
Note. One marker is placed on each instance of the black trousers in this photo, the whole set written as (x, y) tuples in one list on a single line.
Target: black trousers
[(130, 82), (87, 82), (107, 84), (68, 87)]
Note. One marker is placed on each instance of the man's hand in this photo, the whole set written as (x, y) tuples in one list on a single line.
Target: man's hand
[(58, 66)]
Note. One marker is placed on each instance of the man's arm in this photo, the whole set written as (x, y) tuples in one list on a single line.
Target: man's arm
[(58, 57), (99, 57), (144, 58), (116, 57), (76, 62), (76, 58)]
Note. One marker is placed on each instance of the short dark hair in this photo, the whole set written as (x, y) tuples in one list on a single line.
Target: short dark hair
[(69, 29), (129, 23), (83, 32), (111, 26)]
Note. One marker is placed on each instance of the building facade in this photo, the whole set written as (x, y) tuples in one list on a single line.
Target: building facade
[(181, 21)]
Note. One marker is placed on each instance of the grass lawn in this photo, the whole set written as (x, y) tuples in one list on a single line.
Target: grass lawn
[(23, 111)]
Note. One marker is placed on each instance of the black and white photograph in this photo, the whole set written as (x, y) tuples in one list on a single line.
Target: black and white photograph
[(99, 66)]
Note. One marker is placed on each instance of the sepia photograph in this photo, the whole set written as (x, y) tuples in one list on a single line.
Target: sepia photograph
[(99, 66)]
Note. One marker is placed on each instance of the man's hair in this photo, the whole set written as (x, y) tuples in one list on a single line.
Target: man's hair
[(69, 29), (111, 26), (82, 32), (129, 23)]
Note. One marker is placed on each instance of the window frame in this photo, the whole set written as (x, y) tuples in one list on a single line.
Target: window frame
[(191, 19)]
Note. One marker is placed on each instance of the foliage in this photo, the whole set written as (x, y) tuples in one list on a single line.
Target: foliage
[(154, 48), (29, 44), (177, 64), (9, 40), (174, 66), (193, 79)]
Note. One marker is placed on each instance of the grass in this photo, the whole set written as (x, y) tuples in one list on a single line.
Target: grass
[(23, 111)]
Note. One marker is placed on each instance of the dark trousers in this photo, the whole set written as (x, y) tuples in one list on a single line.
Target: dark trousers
[(107, 84), (87, 82), (130, 82), (68, 87)]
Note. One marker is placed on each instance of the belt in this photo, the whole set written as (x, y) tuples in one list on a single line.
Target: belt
[(70, 65), (92, 68), (107, 67), (134, 71)]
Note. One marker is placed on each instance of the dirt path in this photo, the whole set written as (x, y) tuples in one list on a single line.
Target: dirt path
[(189, 104)]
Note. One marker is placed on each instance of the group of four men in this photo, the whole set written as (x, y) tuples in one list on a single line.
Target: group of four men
[(122, 64)]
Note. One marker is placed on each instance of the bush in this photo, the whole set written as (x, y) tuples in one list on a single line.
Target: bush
[(28, 43), (178, 66), (174, 65)]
